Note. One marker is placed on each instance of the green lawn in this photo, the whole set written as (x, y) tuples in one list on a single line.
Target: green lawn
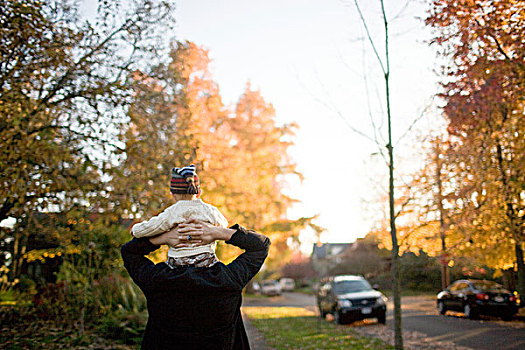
[(305, 290), (299, 328)]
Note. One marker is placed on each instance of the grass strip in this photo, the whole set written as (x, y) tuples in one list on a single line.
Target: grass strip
[(299, 328)]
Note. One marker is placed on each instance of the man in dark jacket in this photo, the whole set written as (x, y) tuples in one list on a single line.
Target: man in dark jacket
[(195, 307)]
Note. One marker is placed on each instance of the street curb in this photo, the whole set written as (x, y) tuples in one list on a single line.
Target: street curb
[(256, 339)]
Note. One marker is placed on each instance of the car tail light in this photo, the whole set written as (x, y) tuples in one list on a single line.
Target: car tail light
[(482, 296), (512, 298)]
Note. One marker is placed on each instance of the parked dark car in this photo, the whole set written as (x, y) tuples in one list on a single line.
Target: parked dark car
[(477, 297), (350, 298)]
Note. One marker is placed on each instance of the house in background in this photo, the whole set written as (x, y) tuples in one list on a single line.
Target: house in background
[(325, 257)]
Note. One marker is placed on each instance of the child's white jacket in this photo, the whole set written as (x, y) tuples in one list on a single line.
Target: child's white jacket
[(178, 213)]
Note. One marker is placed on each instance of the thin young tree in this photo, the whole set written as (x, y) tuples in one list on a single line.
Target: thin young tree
[(63, 89), (384, 63), (385, 68)]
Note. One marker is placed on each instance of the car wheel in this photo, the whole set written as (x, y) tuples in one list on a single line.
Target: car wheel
[(381, 318), (469, 313), (441, 307), (507, 317)]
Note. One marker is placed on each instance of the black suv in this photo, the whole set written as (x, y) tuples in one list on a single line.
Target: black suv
[(350, 298)]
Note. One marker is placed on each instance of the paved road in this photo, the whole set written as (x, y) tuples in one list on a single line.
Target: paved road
[(286, 299), (420, 314)]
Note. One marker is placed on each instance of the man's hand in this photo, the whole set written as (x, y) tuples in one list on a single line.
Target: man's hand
[(171, 238), (193, 230)]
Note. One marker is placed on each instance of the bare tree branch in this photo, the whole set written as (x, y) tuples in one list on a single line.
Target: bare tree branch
[(414, 122), (363, 21)]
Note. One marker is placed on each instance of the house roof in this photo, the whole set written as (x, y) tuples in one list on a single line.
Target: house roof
[(329, 249)]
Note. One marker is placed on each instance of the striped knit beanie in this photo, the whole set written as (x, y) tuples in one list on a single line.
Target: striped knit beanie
[(184, 180)]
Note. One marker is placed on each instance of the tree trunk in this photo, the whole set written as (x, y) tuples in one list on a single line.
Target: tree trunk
[(521, 273), (396, 285), (393, 232), (444, 261), (513, 219), (15, 254)]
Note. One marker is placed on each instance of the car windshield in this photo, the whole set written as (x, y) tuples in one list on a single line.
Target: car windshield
[(344, 287), (488, 286)]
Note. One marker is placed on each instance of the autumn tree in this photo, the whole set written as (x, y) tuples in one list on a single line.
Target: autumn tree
[(261, 161), (178, 117), (299, 268), (63, 89), (427, 218), (364, 257), (175, 108), (484, 106), (489, 169)]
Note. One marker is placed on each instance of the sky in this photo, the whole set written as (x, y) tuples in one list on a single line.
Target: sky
[(310, 60)]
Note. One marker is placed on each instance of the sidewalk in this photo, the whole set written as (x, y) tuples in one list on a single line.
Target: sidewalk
[(256, 339)]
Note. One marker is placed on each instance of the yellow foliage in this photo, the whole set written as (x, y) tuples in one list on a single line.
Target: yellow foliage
[(42, 254), (411, 238)]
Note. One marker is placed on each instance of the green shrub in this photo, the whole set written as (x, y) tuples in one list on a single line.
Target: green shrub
[(92, 290), (27, 285), (92, 294), (124, 308), (125, 326), (420, 272)]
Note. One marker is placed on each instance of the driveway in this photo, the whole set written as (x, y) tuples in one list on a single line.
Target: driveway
[(420, 315)]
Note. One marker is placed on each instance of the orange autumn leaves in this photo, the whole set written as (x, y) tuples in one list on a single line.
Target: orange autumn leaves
[(480, 155), (178, 117)]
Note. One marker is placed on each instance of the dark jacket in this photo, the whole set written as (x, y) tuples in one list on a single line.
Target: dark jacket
[(195, 307)]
